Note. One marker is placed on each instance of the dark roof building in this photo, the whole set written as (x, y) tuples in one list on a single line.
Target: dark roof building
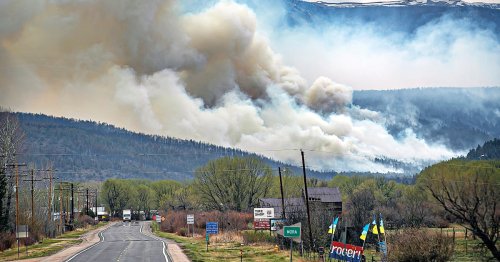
[(324, 198)]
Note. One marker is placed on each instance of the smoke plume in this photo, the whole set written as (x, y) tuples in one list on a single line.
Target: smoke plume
[(208, 75)]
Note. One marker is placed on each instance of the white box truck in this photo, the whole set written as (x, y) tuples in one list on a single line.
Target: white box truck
[(127, 215)]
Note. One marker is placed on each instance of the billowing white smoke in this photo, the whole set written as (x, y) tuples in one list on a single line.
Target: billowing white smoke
[(207, 76)]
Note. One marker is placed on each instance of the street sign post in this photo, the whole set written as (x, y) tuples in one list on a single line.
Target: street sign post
[(211, 228), (190, 219), (291, 232), (21, 232)]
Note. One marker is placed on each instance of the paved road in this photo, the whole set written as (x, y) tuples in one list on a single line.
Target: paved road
[(124, 242)]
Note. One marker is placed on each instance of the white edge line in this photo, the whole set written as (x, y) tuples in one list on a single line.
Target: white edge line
[(165, 255), (101, 239)]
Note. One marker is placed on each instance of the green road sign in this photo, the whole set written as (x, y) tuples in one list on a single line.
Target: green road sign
[(290, 231)]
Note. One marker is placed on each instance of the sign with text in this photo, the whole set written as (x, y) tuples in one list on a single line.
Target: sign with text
[(212, 228), (261, 224), (346, 252), (190, 219), (263, 213), (158, 218), (291, 231)]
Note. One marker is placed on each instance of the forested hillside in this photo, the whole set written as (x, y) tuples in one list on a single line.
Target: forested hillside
[(86, 150), (490, 150), (460, 118)]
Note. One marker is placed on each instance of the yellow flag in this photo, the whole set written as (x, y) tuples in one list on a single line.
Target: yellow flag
[(382, 230), (375, 231)]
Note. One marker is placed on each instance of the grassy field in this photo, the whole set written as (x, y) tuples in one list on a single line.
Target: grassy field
[(48, 246), (227, 247), (465, 249)]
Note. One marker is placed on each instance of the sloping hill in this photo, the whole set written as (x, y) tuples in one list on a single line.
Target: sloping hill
[(86, 150)]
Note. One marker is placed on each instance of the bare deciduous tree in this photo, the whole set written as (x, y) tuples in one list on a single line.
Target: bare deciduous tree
[(470, 191), (11, 140)]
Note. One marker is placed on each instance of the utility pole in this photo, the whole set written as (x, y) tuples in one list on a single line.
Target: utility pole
[(17, 207), (72, 216), (87, 203), (282, 197), (32, 199), (16, 167), (60, 208), (307, 201), (50, 199), (96, 203), (32, 196)]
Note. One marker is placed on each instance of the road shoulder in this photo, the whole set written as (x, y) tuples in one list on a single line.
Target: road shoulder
[(89, 239), (174, 251)]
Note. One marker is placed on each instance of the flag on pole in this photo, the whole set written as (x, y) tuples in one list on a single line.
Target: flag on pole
[(331, 228), (365, 231), (374, 230), (382, 230)]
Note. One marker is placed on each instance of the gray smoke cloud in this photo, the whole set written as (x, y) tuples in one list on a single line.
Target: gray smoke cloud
[(208, 75)]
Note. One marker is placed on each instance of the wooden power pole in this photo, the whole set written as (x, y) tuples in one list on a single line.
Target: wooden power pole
[(307, 201), (49, 218), (32, 180)]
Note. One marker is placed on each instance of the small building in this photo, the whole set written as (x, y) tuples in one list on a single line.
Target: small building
[(322, 198)]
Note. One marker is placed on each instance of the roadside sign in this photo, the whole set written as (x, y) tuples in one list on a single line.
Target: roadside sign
[(158, 218), (263, 213), (346, 252), (190, 219), (262, 224), (277, 224), (212, 228), (22, 231), (291, 231)]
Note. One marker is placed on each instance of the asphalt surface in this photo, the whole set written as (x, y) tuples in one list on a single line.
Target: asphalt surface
[(124, 242)]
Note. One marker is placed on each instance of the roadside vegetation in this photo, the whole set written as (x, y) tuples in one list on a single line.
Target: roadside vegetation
[(229, 246), (48, 246)]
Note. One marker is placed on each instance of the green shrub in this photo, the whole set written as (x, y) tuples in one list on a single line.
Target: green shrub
[(250, 236), (419, 245)]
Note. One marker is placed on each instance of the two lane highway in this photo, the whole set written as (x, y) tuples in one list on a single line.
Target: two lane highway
[(124, 242)]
